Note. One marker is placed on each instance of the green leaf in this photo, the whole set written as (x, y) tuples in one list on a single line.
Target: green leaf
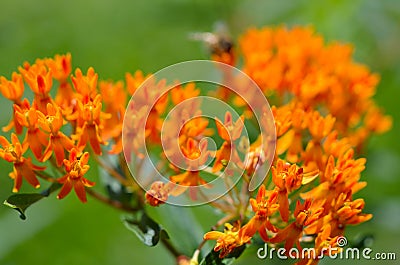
[(179, 221), (145, 228), (213, 257), (20, 202)]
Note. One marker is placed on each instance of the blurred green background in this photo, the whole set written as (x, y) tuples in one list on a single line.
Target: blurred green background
[(120, 36)]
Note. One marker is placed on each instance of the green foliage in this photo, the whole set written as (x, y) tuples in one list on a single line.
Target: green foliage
[(213, 258), (145, 228), (21, 201)]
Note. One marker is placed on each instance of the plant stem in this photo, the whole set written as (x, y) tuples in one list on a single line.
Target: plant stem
[(167, 244), (110, 170), (45, 176), (115, 204)]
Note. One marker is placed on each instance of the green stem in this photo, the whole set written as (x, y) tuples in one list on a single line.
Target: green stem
[(110, 202)]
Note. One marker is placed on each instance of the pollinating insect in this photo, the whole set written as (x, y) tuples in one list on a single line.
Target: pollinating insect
[(218, 42)]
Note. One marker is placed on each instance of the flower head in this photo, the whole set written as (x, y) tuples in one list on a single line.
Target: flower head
[(23, 167), (35, 138), (40, 80), (228, 240), (12, 89), (85, 85), (305, 214), (229, 132), (263, 206), (60, 66), (58, 141), (76, 168)]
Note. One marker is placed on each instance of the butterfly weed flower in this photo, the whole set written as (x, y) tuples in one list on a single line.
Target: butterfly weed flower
[(35, 138), (287, 179), (228, 240), (58, 141), (90, 124), (23, 167), (40, 80), (305, 214), (229, 131), (264, 206), (76, 167), (323, 114), (13, 90)]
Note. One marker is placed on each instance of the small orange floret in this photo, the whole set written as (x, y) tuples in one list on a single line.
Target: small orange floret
[(76, 168), (58, 141), (23, 167), (263, 206), (228, 240), (14, 89)]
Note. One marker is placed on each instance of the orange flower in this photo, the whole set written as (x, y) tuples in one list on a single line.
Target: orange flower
[(76, 169), (335, 146), (180, 94), (191, 125), (134, 81), (133, 133), (58, 141), (263, 206), (344, 212), (319, 126), (195, 158), (35, 138), (288, 178), (91, 116), (228, 240), (305, 215), (40, 80), (229, 132), (290, 139), (376, 122), (194, 128), (282, 118), (343, 177), (60, 67), (86, 86), (295, 63), (114, 98), (23, 167), (196, 153), (13, 90), (255, 157), (188, 178), (152, 97)]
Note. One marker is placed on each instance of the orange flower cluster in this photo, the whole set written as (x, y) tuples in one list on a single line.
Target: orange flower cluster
[(324, 113), (321, 102), (64, 117), (296, 64)]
